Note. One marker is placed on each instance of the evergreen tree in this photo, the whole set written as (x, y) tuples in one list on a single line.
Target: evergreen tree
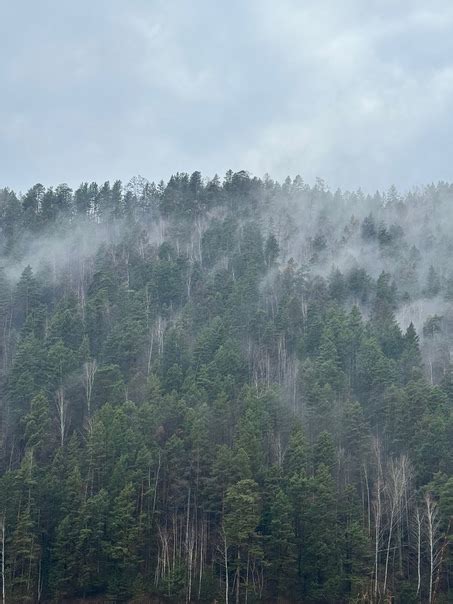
[(213, 390)]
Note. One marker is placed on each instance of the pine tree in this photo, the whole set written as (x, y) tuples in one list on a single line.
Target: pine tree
[(282, 554), (123, 533), (242, 504)]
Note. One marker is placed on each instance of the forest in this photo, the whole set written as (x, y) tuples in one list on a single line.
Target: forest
[(226, 390)]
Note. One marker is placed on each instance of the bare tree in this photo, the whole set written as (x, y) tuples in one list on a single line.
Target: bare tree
[(89, 372), (200, 228), (3, 561), (62, 411), (434, 539), (397, 485), (225, 554), (418, 534), (377, 506), (156, 336)]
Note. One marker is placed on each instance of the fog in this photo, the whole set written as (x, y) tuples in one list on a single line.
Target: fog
[(321, 230)]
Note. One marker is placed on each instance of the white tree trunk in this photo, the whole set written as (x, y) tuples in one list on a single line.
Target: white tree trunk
[(433, 538), (62, 410), (377, 505), (419, 548), (3, 561), (89, 372), (398, 482), (225, 554)]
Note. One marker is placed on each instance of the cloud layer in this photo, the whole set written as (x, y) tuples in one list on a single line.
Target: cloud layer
[(357, 93)]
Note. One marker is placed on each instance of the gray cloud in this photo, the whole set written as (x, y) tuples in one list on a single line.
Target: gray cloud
[(359, 94)]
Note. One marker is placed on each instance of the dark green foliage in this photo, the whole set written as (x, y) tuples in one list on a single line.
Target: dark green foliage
[(217, 390)]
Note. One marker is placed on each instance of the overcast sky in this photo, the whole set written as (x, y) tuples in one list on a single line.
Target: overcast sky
[(357, 92)]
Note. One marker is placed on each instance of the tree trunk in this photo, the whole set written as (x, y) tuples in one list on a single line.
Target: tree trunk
[(247, 578), (225, 553), (378, 518), (419, 543), (90, 368), (62, 409), (238, 575), (3, 562), (432, 527)]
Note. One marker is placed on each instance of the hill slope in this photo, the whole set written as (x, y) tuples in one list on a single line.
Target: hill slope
[(236, 389)]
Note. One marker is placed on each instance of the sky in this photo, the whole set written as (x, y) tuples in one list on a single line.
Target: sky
[(357, 93)]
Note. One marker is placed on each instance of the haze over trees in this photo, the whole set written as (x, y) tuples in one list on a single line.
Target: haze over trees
[(226, 390)]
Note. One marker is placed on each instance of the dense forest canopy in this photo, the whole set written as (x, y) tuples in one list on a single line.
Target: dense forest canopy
[(229, 390)]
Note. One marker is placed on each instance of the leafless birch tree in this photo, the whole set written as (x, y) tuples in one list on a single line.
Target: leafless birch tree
[(62, 413), (89, 372)]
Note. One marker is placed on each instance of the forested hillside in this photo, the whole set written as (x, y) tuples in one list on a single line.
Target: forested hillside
[(226, 390)]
